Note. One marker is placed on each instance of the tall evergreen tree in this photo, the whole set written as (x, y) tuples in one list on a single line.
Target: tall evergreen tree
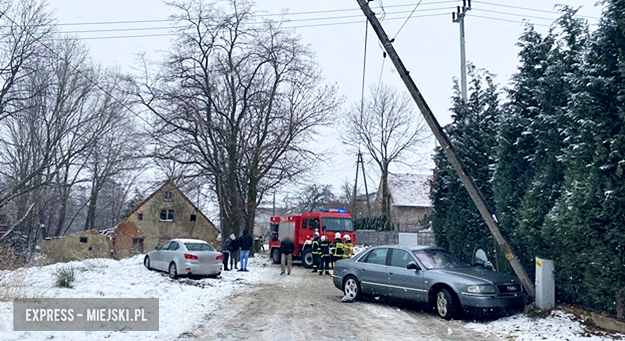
[(586, 229), (516, 143), (456, 221), (529, 171)]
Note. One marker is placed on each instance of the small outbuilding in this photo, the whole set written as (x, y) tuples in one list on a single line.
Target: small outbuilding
[(76, 246)]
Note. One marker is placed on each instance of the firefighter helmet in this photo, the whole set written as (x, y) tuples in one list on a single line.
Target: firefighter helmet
[(316, 233), (324, 238), (337, 235), (347, 237)]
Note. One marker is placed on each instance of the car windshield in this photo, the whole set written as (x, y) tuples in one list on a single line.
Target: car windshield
[(439, 259), (337, 224), (198, 247)]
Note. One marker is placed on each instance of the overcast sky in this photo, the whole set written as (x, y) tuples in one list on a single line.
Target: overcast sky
[(428, 45)]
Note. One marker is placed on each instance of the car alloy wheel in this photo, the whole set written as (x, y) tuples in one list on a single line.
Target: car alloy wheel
[(173, 273), (351, 289), (441, 304), (447, 305)]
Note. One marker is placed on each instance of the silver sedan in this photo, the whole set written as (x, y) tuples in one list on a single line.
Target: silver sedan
[(431, 275), (185, 257)]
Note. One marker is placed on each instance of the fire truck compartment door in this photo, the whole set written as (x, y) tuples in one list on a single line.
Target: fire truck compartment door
[(286, 229)]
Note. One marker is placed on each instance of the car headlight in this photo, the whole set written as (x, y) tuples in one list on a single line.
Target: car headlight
[(481, 289)]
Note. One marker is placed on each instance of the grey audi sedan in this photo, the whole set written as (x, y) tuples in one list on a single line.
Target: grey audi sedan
[(431, 275), (185, 257)]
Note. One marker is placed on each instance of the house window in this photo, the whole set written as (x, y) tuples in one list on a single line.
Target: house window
[(140, 216), (193, 217), (83, 239), (137, 245), (167, 215), (169, 196)]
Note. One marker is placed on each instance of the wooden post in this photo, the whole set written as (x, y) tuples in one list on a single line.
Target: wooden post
[(449, 151)]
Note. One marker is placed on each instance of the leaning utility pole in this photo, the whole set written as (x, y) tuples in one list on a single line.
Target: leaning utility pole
[(450, 152), (459, 18)]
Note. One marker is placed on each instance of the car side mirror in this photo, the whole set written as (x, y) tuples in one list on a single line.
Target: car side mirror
[(412, 266)]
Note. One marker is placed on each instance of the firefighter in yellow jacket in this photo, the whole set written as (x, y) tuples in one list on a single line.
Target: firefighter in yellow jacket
[(337, 252), (348, 247)]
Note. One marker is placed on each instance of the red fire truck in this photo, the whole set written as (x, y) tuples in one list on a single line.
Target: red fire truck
[(301, 229)]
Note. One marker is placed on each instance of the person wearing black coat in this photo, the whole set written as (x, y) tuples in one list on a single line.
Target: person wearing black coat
[(324, 247), (286, 248), (245, 242), (233, 249)]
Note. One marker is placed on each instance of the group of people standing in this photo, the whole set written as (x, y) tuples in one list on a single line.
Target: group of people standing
[(326, 253), (235, 249)]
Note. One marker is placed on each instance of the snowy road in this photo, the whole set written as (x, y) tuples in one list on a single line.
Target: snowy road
[(305, 306)]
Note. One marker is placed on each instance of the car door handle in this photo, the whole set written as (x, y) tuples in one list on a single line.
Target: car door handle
[(390, 273)]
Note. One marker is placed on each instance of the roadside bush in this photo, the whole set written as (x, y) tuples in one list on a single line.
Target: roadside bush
[(378, 223), (65, 276)]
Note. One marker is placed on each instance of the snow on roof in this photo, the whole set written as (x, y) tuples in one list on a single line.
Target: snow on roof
[(410, 189)]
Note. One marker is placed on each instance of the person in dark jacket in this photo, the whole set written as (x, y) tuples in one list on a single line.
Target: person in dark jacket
[(324, 246), (226, 253), (233, 249), (316, 252), (286, 248), (245, 242)]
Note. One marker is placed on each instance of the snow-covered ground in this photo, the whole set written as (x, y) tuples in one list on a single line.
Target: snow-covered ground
[(184, 303), (559, 326)]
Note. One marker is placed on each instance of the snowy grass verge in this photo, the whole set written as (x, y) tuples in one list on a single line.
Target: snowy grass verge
[(558, 326), (183, 304)]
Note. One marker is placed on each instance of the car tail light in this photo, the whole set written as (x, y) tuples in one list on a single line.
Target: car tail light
[(188, 256), (220, 257)]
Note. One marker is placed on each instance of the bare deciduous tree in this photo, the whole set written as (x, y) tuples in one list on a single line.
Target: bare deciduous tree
[(389, 129), (239, 102)]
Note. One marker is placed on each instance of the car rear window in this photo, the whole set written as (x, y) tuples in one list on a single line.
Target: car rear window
[(198, 247)]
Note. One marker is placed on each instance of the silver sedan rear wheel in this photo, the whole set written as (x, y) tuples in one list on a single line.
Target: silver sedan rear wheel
[(173, 272), (351, 288)]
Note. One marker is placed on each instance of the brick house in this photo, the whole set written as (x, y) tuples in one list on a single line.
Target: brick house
[(164, 215), (410, 200)]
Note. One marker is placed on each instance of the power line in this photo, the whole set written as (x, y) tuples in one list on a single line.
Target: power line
[(295, 26), (76, 69), (404, 24), (507, 20), (516, 14), (255, 23), (529, 9), (254, 15)]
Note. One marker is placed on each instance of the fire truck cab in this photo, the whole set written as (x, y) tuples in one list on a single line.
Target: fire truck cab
[(301, 229)]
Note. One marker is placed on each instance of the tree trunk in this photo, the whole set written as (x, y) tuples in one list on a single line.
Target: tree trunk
[(91, 208), (386, 202)]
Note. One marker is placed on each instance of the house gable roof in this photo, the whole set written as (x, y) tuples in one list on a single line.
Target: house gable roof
[(410, 190), (182, 195)]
